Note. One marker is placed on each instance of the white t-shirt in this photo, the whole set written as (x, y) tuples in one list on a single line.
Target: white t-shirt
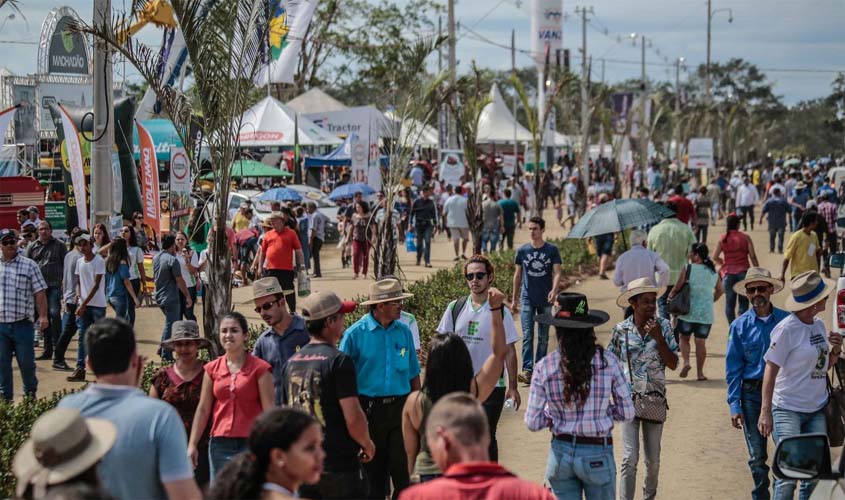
[(474, 328), (570, 191), (202, 260), (136, 255), (411, 321), (801, 351), (186, 275), (456, 212), (87, 272)]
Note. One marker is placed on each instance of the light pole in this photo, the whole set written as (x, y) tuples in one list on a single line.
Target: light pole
[(710, 14), (678, 62), (642, 135)]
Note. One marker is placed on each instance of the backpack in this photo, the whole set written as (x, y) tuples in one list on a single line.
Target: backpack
[(457, 308)]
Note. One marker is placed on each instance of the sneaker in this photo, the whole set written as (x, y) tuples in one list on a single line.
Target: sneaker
[(61, 366), (428, 264), (525, 377), (77, 376), (45, 356)]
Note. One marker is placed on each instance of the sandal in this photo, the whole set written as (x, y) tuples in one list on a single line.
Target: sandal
[(685, 371)]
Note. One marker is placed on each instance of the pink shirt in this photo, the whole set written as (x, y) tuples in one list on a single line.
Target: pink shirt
[(237, 402), (735, 249)]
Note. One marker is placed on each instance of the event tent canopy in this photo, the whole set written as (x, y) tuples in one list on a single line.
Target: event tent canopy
[(496, 123), (420, 133), (315, 101), (340, 157), (271, 123), (251, 168)]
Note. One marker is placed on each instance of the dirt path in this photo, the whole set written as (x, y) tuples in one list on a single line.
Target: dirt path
[(703, 457)]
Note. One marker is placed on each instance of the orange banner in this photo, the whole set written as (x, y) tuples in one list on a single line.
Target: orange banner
[(149, 179)]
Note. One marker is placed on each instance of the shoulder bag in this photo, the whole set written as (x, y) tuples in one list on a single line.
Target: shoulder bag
[(834, 411), (650, 406), (680, 303)]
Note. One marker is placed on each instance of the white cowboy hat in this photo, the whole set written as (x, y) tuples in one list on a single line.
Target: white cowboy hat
[(807, 288), (756, 274), (638, 287)]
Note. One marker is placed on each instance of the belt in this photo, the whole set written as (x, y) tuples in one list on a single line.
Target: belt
[(753, 383), (584, 439), (382, 400)]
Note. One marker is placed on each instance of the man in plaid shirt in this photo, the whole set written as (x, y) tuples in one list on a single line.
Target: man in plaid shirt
[(827, 209), (21, 285)]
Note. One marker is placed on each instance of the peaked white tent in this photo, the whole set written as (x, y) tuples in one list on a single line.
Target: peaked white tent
[(271, 123), (497, 122), (315, 101), (422, 134)]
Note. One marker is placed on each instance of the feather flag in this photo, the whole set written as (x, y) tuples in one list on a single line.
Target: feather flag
[(289, 20), (149, 179), (76, 167)]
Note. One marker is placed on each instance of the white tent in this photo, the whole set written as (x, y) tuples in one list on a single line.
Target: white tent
[(315, 101), (496, 124), (271, 123), (421, 134)]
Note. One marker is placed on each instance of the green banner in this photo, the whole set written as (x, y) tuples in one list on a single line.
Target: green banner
[(54, 212)]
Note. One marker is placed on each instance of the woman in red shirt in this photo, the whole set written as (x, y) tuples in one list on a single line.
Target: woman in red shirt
[(732, 253), (236, 388)]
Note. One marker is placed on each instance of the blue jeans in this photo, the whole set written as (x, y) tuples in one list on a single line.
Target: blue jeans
[(136, 286), (424, 232), (731, 297), (527, 316), (489, 237), (120, 306), (89, 317), (792, 423), (172, 313), (17, 338), (221, 450), (186, 312), (757, 453), (54, 315), (68, 331), (575, 468)]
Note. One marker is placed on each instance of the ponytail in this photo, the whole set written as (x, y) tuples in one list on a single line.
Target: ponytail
[(703, 253)]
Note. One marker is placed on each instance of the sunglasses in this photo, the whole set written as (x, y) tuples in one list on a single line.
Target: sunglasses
[(476, 276), (266, 306), (757, 289), (8, 243), (139, 218)]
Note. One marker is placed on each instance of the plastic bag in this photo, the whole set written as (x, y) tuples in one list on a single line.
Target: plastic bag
[(410, 242)]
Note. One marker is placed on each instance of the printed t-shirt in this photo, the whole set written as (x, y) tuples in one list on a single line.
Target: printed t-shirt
[(801, 252), (237, 402), (278, 248), (315, 380), (537, 271), (802, 353), (87, 273), (473, 326)]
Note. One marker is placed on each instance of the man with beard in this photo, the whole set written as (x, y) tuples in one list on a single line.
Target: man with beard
[(748, 340)]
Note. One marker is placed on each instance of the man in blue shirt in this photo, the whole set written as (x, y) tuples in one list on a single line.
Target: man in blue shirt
[(387, 370), (798, 200), (536, 280), (830, 190), (748, 341), (776, 207)]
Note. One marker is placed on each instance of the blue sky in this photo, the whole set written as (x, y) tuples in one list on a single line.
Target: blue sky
[(774, 34)]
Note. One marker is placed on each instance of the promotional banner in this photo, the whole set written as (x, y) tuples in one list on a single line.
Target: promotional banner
[(700, 151), (546, 28), (374, 167), (77, 170), (180, 186), (288, 24), (67, 52), (508, 165), (67, 94), (5, 120), (149, 180), (359, 158), (451, 168), (621, 104), (117, 182)]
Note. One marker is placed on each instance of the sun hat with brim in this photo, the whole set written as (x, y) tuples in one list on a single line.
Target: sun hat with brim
[(185, 330), (275, 215), (267, 286), (638, 287), (321, 305), (756, 274), (386, 290), (807, 288), (573, 311), (62, 445)]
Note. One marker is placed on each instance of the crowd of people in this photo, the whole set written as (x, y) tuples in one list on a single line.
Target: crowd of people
[(321, 409)]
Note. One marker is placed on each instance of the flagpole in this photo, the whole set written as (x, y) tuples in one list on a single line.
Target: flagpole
[(297, 172)]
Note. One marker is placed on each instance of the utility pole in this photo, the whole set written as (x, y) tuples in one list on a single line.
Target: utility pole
[(677, 133), (585, 98), (453, 132), (643, 129), (515, 96), (707, 63), (102, 204)]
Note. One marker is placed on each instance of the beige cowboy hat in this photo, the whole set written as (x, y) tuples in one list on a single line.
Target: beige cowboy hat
[(807, 288), (638, 287), (386, 290), (61, 446), (267, 286), (755, 274), (185, 330)]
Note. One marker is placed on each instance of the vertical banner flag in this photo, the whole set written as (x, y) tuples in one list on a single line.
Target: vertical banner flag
[(180, 186), (149, 179), (289, 20), (359, 163), (5, 119), (297, 172), (700, 151), (546, 28), (76, 167)]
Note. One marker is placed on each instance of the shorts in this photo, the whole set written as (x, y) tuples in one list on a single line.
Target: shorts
[(459, 233), (604, 244), (699, 330)]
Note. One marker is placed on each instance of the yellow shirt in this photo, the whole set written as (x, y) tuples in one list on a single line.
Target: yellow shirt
[(755, 177), (801, 252), (239, 221)]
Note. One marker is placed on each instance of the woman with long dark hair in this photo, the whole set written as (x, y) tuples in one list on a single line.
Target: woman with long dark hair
[(737, 249), (362, 234), (102, 240), (189, 262), (285, 450), (449, 369), (577, 392), (119, 291), (705, 289), (137, 273)]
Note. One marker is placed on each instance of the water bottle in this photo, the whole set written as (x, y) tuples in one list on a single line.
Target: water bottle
[(509, 405)]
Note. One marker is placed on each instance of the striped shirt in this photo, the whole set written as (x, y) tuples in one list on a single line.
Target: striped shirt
[(20, 280), (548, 409)]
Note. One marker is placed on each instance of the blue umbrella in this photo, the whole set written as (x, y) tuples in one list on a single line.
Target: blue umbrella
[(618, 215), (347, 191), (279, 194)]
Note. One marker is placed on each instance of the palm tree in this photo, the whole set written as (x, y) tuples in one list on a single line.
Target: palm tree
[(225, 42)]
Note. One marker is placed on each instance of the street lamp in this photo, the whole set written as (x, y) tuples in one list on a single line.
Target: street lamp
[(710, 14)]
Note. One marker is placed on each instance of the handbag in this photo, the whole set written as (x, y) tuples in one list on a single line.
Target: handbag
[(650, 406), (833, 416), (680, 303)]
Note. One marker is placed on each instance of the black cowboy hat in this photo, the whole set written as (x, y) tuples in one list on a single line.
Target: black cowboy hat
[(573, 311)]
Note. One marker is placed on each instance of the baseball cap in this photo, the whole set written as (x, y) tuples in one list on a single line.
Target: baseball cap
[(7, 233), (83, 236), (321, 305), (32, 209)]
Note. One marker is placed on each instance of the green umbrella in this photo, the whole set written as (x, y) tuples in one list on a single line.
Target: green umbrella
[(617, 215), (252, 168)]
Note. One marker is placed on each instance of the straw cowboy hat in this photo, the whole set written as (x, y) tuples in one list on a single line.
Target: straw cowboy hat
[(386, 290), (755, 274), (185, 330), (267, 286), (62, 445), (638, 287), (807, 288), (572, 311)]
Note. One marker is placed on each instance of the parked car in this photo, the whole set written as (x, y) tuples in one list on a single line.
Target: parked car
[(807, 457)]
